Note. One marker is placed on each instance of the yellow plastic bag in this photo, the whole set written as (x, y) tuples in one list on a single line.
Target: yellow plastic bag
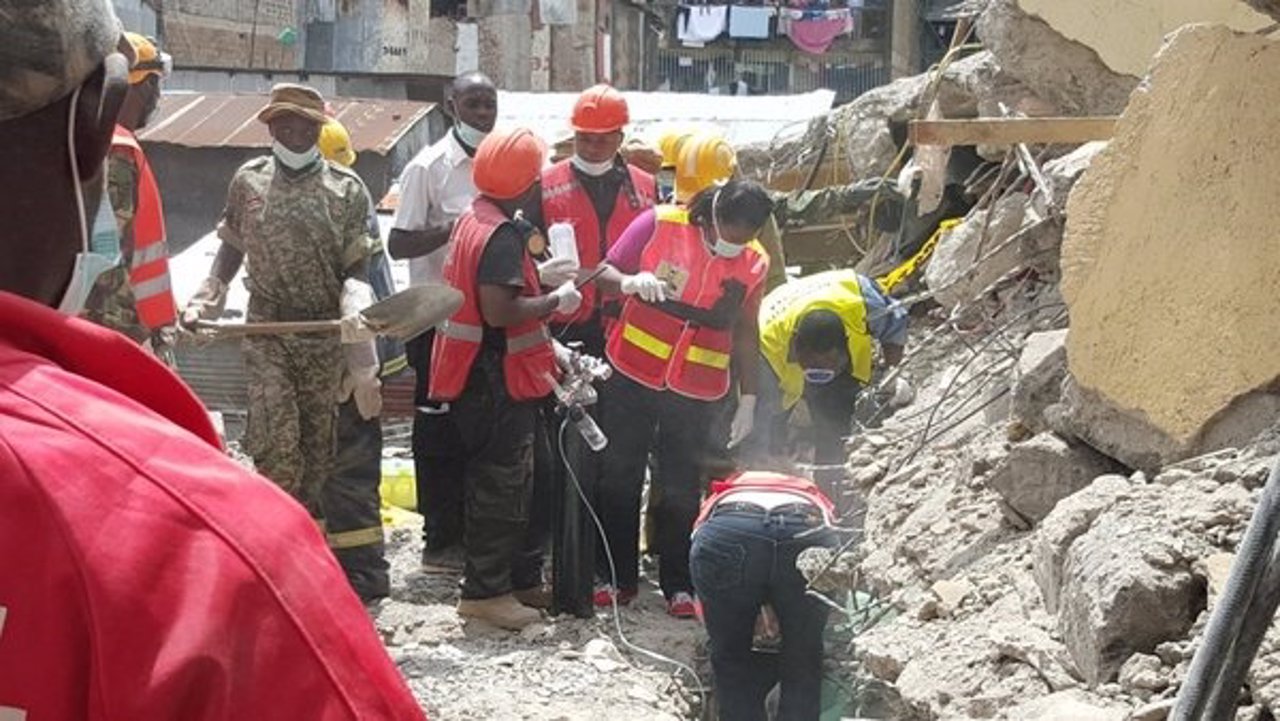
[(398, 487)]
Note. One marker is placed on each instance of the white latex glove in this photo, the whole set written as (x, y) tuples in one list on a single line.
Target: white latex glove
[(208, 302), (646, 285), (743, 420), (556, 272), (564, 355), (356, 296), (354, 330), (567, 298), (361, 378)]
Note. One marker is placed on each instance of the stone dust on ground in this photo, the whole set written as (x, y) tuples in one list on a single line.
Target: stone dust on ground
[(564, 669)]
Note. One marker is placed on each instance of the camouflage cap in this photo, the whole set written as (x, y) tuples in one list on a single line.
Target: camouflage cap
[(299, 100), (48, 48)]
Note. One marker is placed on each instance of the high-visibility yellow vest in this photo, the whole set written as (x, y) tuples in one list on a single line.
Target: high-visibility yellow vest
[(835, 290)]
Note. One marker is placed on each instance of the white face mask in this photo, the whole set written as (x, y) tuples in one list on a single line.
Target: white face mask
[(292, 160), (469, 135), (595, 170), (99, 251), (722, 247)]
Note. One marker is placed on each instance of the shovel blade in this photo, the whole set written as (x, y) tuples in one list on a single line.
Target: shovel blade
[(412, 311)]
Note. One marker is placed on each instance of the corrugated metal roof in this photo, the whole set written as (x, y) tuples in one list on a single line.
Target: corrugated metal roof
[(742, 119), (230, 120)]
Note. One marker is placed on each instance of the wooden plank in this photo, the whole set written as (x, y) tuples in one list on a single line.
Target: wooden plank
[(1010, 131)]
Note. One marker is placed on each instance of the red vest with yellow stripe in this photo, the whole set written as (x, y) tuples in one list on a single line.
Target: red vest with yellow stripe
[(660, 350), (529, 363), (564, 200), (149, 268)]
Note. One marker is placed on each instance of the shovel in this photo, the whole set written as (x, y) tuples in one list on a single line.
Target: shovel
[(402, 316)]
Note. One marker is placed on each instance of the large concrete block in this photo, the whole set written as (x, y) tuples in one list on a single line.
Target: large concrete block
[(1133, 580), (1042, 471), (1067, 73), (1068, 521), (1038, 384), (1169, 258), (1134, 29)]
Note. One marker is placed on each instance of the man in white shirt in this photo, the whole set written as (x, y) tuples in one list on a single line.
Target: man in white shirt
[(435, 188)]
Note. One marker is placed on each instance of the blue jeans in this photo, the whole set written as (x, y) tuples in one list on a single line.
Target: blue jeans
[(739, 561)]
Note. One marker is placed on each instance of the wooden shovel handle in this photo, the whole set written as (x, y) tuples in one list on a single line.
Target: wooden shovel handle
[(279, 328)]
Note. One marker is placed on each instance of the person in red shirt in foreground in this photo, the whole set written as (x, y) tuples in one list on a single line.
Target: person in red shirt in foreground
[(143, 574)]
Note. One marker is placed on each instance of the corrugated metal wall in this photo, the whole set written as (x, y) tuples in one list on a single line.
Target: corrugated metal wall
[(215, 371)]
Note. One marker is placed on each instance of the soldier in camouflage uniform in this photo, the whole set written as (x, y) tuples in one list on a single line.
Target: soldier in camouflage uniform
[(113, 301), (301, 224)]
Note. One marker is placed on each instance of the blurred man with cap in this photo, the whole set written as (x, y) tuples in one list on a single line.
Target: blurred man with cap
[(301, 223), (157, 578), (493, 361), (135, 297), (435, 189)]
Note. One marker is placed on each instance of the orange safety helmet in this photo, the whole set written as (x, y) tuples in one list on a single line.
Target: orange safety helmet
[(147, 59), (508, 162), (600, 109)]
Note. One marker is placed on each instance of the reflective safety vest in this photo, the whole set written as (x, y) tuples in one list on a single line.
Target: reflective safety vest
[(529, 363), (659, 350), (149, 268), (565, 200), (767, 481), (835, 290)]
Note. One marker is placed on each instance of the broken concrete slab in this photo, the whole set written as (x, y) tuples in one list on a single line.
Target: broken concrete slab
[(1067, 73), (1042, 471), (1068, 521), (1133, 30), (1129, 583), (1161, 375), (1063, 172), (1068, 705), (1038, 378), (966, 261)]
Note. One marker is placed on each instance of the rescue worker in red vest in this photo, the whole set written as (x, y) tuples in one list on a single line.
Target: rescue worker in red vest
[(494, 361), (598, 194), (692, 289), (157, 578), (746, 539), (135, 297)]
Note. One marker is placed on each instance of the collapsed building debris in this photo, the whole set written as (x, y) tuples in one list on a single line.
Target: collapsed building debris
[(1180, 196), (1055, 514)]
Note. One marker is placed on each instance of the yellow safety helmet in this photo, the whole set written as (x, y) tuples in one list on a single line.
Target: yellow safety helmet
[(669, 144), (335, 143), (703, 160), (147, 59)]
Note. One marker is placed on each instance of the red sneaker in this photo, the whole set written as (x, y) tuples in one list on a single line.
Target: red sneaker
[(682, 605), (603, 596)]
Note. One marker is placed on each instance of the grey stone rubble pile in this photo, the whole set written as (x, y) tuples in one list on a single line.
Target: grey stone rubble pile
[(1039, 573)]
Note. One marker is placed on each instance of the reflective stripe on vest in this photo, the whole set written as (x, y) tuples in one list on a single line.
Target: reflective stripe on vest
[(651, 345), (475, 334), (662, 351), (835, 290), (149, 267)]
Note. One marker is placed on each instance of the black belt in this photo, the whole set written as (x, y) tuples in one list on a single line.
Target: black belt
[(808, 513)]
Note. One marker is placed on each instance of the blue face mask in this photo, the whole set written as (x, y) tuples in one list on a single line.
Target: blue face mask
[(100, 244), (819, 376)]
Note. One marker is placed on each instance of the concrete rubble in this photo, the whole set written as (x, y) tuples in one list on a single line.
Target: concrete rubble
[(1054, 516)]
